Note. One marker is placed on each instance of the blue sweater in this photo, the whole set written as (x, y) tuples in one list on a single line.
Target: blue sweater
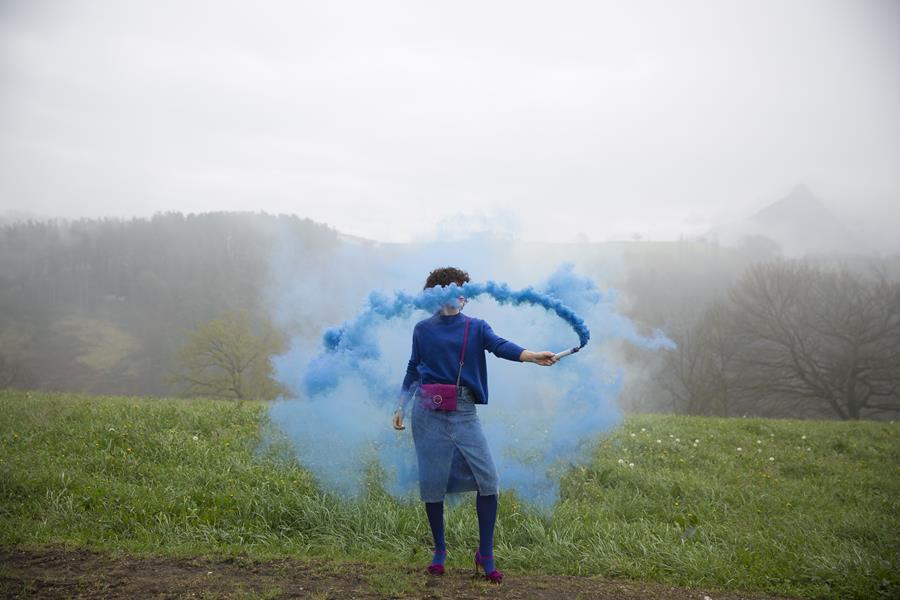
[(436, 344)]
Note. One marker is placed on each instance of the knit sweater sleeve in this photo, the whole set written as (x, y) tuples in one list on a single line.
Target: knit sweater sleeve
[(500, 347), (411, 380)]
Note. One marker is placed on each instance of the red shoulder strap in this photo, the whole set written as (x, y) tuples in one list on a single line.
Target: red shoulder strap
[(465, 337), (462, 352)]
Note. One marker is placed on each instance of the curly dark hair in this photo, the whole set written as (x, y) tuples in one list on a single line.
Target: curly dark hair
[(446, 276)]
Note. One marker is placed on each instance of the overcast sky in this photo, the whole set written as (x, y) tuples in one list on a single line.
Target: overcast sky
[(395, 121)]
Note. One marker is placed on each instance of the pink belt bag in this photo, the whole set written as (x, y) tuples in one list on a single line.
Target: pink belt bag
[(442, 396)]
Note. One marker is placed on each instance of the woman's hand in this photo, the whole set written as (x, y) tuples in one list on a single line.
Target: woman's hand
[(545, 358), (398, 420)]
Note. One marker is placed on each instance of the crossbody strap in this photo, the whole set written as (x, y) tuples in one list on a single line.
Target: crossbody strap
[(462, 354)]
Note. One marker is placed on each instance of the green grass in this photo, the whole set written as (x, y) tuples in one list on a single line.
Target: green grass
[(186, 477)]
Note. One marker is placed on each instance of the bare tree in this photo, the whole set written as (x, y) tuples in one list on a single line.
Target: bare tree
[(227, 358), (821, 334), (698, 373), (859, 317)]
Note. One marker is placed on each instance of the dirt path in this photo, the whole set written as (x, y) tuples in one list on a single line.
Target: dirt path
[(66, 573)]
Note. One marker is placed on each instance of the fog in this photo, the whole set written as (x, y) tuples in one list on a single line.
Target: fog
[(406, 121), (701, 165)]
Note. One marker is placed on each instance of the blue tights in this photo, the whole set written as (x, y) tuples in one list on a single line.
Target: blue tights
[(486, 508), (435, 512)]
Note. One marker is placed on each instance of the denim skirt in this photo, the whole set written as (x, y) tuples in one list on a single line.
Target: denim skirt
[(451, 450)]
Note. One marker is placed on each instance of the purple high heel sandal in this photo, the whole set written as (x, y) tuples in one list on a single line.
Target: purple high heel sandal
[(437, 569), (494, 576)]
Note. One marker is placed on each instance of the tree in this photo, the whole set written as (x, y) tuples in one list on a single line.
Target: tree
[(698, 373), (228, 358), (821, 334), (13, 374)]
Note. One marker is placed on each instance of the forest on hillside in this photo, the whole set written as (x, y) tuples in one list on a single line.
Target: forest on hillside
[(109, 305), (104, 305)]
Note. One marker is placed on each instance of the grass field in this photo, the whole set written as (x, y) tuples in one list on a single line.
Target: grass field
[(797, 508)]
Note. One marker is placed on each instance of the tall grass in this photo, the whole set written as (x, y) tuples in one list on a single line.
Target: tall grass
[(805, 508)]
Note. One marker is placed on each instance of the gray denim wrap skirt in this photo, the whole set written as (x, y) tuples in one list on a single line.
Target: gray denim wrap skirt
[(451, 450)]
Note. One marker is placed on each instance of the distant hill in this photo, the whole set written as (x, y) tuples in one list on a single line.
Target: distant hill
[(799, 223), (103, 305)]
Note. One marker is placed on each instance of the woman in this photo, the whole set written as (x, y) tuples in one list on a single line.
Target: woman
[(451, 450)]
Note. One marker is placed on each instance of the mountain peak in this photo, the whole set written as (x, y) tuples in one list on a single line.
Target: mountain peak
[(799, 203), (800, 223)]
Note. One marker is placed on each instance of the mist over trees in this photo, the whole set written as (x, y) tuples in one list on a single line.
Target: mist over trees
[(137, 306), (105, 305), (819, 334), (793, 337)]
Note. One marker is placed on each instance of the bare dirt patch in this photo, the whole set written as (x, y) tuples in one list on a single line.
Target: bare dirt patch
[(57, 572)]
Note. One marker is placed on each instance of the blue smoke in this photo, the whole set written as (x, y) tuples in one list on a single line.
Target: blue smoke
[(540, 420), (352, 343)]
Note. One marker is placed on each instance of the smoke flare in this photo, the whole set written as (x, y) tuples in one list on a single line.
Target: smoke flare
[(340, 426)]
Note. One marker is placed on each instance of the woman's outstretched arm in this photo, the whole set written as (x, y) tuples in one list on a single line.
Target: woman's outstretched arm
[(503, 348), (544, 357)]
